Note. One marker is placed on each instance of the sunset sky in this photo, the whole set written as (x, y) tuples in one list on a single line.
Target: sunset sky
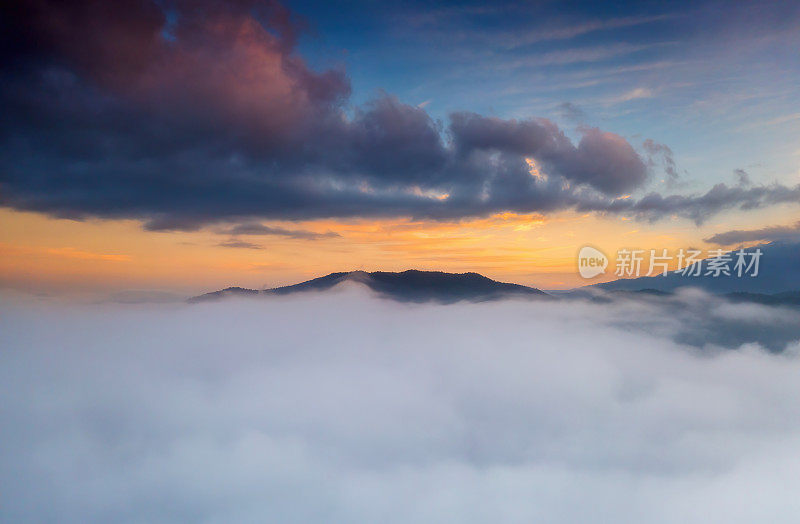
[(188, 146)]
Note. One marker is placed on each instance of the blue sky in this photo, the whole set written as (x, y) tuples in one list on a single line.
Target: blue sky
[(716, 83)]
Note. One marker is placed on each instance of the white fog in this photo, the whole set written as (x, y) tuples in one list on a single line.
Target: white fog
[(343, 407)]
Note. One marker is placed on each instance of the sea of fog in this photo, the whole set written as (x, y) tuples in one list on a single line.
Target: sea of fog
[(343, 407)]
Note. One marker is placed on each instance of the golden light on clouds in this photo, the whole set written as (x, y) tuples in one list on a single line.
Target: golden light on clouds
[(432, 194), (533, 169)]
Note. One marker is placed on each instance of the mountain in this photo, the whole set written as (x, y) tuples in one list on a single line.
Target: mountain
[(779, 272), (789, 298), (777, 283), (407, 286)]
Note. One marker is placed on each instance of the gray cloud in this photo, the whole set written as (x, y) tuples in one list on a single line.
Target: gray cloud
[(343, 408), (254, 228), (239, 244), (571, 112), (206, 127), (737, 236), (699, 208), (742, 177), (381, 163), (663, 152), (603, 160)]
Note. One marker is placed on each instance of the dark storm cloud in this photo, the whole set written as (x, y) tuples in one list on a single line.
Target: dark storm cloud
[(187, 113), (737, 236)]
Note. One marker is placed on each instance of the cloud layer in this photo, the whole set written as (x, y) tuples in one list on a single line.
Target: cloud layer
[(193, 112), (737, 236), (344, 408)]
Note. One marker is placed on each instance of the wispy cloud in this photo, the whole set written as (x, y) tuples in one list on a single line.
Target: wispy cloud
[(633, 94), (777, 121), (571, 112), (239, 244), (571, 31), (578, 55), (540, 29), (255, 228)]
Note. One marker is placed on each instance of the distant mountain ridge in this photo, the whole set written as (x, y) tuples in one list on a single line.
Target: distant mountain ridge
[(406, 286), (778, 284), (779, 272)]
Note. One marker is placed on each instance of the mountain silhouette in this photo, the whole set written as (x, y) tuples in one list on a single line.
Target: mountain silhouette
[(406, 286), (777, 283), (779, 273)]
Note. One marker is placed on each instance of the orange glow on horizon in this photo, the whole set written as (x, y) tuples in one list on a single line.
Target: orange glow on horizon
[(46, 254)]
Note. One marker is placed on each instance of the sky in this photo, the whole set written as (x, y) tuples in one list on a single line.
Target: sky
[(184, 146)]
